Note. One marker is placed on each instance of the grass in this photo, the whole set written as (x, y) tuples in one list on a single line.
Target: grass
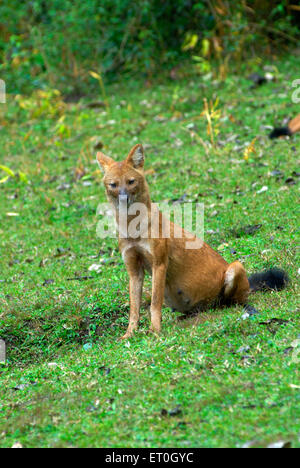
[(213, 381)]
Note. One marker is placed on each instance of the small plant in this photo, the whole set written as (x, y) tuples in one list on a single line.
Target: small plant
[(250, 149), (11, 174), (42, 103), (62, 129), (98, 77), (212, 115)]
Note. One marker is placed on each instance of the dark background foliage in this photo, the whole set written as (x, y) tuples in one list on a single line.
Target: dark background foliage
[(57, 43)]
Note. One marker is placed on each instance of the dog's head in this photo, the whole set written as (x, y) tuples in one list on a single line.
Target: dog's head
[(124, 180)]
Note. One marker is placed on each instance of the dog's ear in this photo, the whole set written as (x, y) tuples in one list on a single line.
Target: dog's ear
[(104, 161), (136, 157)]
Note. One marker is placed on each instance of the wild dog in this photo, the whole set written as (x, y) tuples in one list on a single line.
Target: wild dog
[(186, 279)]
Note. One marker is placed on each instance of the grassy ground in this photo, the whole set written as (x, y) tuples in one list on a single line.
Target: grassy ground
[(213, 381)]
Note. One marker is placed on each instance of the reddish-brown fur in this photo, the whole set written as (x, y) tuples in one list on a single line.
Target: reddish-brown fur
[(186, 279), (294, 124)]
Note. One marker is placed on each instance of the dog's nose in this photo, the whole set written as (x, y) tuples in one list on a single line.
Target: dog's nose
[(123, 192), (123, 195)]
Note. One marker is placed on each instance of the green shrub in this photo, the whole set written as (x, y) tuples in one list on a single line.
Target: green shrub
[(57, 43)]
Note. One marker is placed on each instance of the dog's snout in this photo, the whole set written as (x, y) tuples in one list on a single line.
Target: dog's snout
[(123, 192), (123, 196)]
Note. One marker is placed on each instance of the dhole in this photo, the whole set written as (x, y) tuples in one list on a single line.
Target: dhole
[(186, 279)]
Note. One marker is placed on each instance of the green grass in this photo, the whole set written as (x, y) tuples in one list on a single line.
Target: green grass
[(216, 381)]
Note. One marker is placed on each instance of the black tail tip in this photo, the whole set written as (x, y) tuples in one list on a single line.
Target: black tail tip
[(280, 131), (269, 279)]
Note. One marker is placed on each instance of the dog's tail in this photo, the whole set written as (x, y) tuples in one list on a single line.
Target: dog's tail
[(269, 279), (280, 131)]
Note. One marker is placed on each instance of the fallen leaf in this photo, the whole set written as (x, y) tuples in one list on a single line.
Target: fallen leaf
[(80, 278), (95, 104), (243, 349), (160, 118), (263, 189), (222, 246), (17, 445), (273, 324), (182, 199), (95, 267), (104, 370), (87, 346), (276, 173), (280, 444), (290, 181), (173, 412), (47, 282), (249, 229), (64, 187)]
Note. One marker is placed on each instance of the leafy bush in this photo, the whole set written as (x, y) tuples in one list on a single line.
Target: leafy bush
[(58, 43)]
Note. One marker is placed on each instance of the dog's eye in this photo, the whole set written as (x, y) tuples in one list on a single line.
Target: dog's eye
[(131, 181), (113, 185)]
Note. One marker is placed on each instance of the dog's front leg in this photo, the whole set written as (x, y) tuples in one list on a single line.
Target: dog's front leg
[(158, 291), (136, 280)]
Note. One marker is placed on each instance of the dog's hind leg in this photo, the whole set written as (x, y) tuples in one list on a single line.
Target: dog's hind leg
[(236, 284)]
